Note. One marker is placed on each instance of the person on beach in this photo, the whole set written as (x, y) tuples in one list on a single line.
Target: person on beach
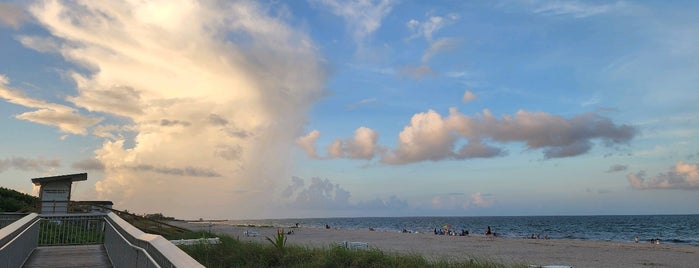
[(488, 232)]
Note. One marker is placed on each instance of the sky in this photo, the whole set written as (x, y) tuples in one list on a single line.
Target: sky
[(328, 108)]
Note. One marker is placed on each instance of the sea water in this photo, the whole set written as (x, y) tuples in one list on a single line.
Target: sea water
[(670, 229)]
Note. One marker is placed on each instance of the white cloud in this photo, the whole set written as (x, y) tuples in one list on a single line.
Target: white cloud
[(322, 194), (431, 137), (186, 171), (478, 149), (575, 9), (363, 17), (361, 103), (335, 149), (118, 100), (480, 200), (107, 131), (684, 176), (90, 164), (427, 137), (392, 203), (190, 82), (449, 202), (308, 143), (468, 96), (460, 201), (558, 136), (429, 27), (416, 72), (439, 46), (67, 119), (12, 15), (362, 146)]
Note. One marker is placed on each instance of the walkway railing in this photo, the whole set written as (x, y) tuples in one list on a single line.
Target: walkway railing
[(130, 246), (8, 218), (18, 240), (157, 248), (71, 229)]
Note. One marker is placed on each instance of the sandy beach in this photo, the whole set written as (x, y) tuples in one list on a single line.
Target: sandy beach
[(503, 250)]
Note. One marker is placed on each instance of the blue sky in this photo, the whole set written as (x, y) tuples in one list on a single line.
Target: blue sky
[(322, 108)]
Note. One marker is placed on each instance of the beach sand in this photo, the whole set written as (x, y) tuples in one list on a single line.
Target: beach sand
[(574, 253)]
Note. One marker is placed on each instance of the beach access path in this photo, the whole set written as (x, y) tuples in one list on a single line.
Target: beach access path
[(576, 253)]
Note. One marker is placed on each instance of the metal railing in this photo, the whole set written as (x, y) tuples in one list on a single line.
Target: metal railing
[(126, 245), (159, 249), (129, 254), (7, 218), (18, 240), (71, 229)]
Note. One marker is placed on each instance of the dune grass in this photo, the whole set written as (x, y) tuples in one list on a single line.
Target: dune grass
[(235, 253)]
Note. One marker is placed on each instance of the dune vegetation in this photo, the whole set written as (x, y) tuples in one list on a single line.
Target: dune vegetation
[(232, 252)]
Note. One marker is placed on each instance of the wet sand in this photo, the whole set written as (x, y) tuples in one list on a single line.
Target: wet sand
[(574, 253)]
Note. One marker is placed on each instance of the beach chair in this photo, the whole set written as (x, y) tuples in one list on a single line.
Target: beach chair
[(251, 233), (355, 245)]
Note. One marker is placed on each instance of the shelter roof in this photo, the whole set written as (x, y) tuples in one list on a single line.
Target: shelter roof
[(69, 177)]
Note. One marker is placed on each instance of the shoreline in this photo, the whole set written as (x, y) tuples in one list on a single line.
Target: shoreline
[(576, 253)]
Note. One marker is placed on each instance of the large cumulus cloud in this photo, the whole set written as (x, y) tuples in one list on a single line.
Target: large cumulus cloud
[(212, 93)]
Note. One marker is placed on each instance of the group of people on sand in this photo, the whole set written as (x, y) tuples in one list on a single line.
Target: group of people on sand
[(451, 232), (538, 236), (489, 232), (655, 241), (444, 231), (463, 232)]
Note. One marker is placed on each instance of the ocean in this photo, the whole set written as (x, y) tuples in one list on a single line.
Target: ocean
[(670, 229)]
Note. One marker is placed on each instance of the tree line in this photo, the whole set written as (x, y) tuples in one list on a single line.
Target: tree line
[(14, 201)]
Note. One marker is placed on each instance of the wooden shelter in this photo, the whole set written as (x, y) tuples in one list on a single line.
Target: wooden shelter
[(54, 192)]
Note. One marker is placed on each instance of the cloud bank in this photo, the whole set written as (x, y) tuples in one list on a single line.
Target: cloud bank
[(682, 176), (321, 195), (29, 164), (191, 83), (460, 201), (431, 137)]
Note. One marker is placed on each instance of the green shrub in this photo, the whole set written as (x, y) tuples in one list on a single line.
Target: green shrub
[(279, 241)]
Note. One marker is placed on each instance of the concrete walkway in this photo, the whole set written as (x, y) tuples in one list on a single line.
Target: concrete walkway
[(69, 256)]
